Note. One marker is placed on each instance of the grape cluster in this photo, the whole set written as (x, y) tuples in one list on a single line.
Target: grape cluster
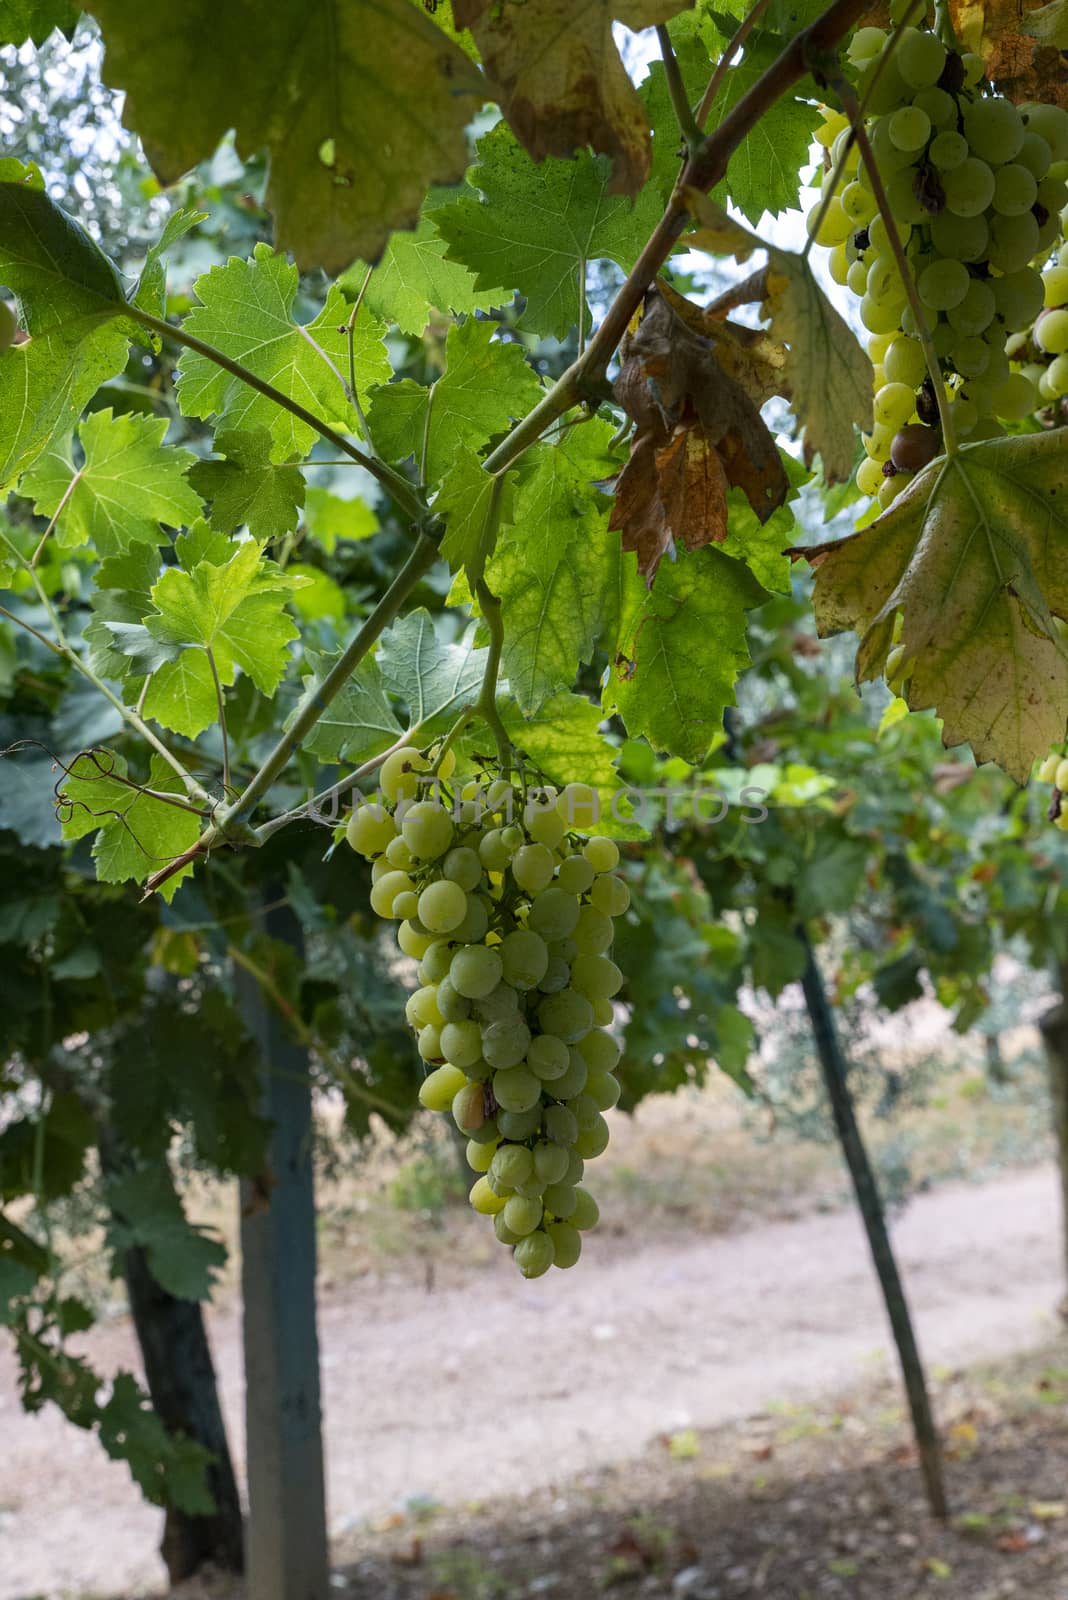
[(1042, 353), (1055, 770), (976, 186), (509, 912)]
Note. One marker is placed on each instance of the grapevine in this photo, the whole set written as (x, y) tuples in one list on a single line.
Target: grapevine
[(508, 910)]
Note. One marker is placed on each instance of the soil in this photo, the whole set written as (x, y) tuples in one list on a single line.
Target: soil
[(576, 1374)]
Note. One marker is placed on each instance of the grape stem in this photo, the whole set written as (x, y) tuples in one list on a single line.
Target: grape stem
[(486, 705), (734, 44), (852, 109), (689, 126)]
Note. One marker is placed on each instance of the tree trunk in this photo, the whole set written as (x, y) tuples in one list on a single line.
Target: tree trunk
[(835, 1070), (1054, 1026), (181, 1382), (287, 1551)]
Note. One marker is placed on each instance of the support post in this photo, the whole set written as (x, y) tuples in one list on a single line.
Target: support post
[(287, 1550), (1054, 1027)]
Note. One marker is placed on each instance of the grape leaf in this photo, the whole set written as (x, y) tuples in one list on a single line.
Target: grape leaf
[(691, 53), (414, 276), (562, 81), (1049, 24), (973, 555), (36, 19), (665, 681), (128, 485), (169, 1469), (434, 678), (151, 291), (235, 609), (565, 743), (359, 722), (465, 501), (350, 156), (485, 385), (135, 832), (536, 228), (120, 600), (555, 568), (1024, 62), (181, 695), (182, 1256), (246, 311), (248, 487), (70, 300), (328, 518)]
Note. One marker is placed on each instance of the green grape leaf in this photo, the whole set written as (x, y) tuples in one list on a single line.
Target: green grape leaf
[(680, 647), (562, 81), (181, 695), (485, 385), (435, 678), (537, 226), (359, 722), (465, 502), (350, 157), (36, 19), (70, 300), (973, 556), (328, 518), (129, 484), (17, 1280), (691, 53), (235, 609), (169, 1469), (555, 570), (415, 277), (777, 956), (248, 487), (182, 1256), (122, 597), (317, 595), (151, 291), (565, 743), (764, 546), (135, 832), (246, 311)]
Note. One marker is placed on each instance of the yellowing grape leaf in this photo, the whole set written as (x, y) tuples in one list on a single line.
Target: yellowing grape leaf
[(974, 555), (1049, 24), (361, 105), (560, 79), (1019, 52)]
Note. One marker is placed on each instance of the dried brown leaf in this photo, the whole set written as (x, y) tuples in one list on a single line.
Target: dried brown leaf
[(1019, 64)]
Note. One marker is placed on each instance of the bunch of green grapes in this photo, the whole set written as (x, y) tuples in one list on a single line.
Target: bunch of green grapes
[(1055, 770), (1042, 353), (976, 186), (509, 912)]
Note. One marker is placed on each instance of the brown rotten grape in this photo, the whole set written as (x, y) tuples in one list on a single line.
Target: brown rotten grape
[(914, 446)]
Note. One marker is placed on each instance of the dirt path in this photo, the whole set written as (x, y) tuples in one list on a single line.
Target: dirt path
[(504, 1385)]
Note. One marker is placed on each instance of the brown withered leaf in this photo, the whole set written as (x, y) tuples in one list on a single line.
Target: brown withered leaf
[(561, 82), (750, 355), (698, 434), (1019, 59)]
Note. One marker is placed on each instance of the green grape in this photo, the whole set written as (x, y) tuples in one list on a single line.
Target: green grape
[(370, 829), (575, 1168), (515, 1088), (585, 1215), (904, 202), (442, 906), (604, 1089), (593, 932), (500, 1005), (920, 57), (436, 962), (503, 1231), (560, 1125), (1013, 242), (1035, 155), (398, 854), (879, 240), (833, 228), (429, 1042), (551, 1162), (596, 977), (602, 854), (493, 850), (960, 238), (575, 875), (525, 958), (1055, 286), (535, 1254), (1052, 192), (949, 150), (1058, 377), (567, 1015), (1051, 124), (1015, 190), (997, 368), (869, 477), (398, 776), (942, 286), (858, 204), (584, 1110), (475, 971), (944, 338), (973, 69), (904, 362), (593, 1141), (519, 1124), (579, 805), (463, 866), (857, 279), (488, 1133), (1016, 398), (512, 1165), (427, 830), (879, 318), (994, 129), (475, 921), (483, 1199), (479, 1156), (971, 357), (522, 1215), (567, 1243), (573, 1081), (894, 404), (461, 1043), (548, 1056), (469, 1108), (560, 1199), (1018, 297), (910, 128), (975, 312), (406, 905), (565, 949), (554, 913), (969, 188), (604, 1013), (386, 891), (545, 824), (504, 1045), (532, 867), (422, 1007), (440, 1087), (939, 106), (884, 280), (883, 91), (557, 976), (610, 895), (600, 1051)]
